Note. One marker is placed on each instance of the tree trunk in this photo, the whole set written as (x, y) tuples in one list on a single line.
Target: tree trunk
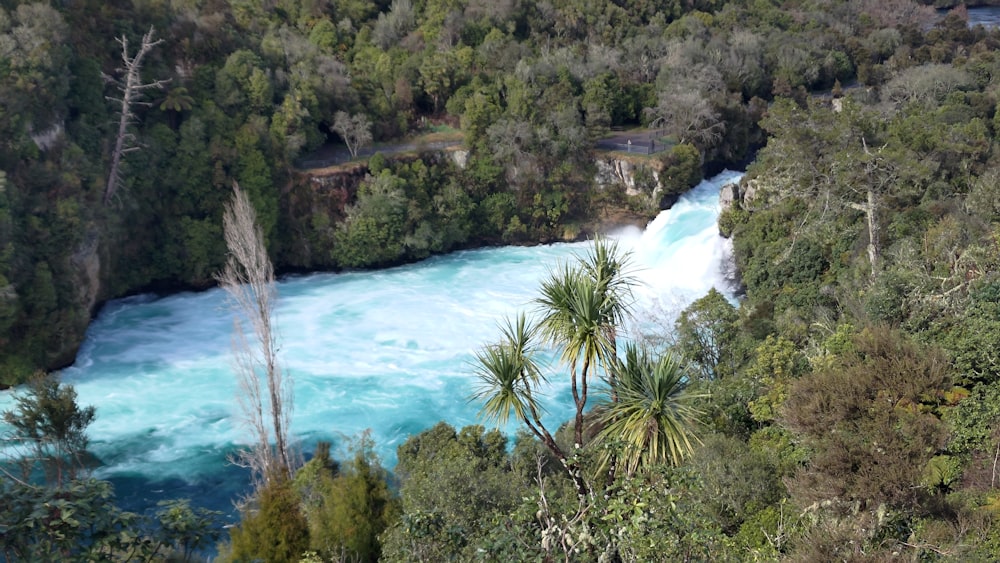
[(131, 89), (248, 278), (873, 240)]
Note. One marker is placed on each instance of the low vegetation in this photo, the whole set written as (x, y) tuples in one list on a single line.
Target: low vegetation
[(844, 408)]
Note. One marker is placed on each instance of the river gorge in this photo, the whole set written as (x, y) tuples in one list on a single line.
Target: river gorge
[(389, 350)]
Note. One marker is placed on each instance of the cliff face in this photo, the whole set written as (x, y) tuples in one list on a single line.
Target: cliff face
[(637, 178), (313, 208), (316, 203), (645, 178)]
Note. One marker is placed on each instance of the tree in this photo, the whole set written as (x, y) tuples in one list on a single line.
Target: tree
[(177, 101), (50, 424), (392, 26), (826, 160), (356, 130), (349, 507), (689, 117), (653, 416), (581, 305), (276, 531), (707, 333), (877, 177), (75, 522), (868, 422), (71, 518), (131, 88), (580, 309), (265, 390), (455, 486), (184, 529), (509, 378)]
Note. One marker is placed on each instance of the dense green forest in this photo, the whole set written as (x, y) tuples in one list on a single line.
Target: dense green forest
[(847, 409)]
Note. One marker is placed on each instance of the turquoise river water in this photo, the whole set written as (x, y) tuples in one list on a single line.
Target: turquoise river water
[(388, 351)]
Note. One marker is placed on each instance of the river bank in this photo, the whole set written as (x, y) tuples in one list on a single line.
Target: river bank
[(388, 350)]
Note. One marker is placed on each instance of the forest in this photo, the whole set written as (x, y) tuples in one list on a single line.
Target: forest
[(846, 408)]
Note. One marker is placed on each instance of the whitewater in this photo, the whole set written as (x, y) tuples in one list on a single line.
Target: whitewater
[(390, 352)]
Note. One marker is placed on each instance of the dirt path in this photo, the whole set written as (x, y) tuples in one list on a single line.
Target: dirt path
[(333, 154)]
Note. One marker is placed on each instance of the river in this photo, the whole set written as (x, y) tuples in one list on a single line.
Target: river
[(986, 16), (389, 351)]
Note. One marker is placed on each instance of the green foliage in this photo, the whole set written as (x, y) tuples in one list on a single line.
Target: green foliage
[(507, 374), (659, 517), (775, 365), (74, 519), (764, 536), (408, 211), (655, 516), (973, 341), (250, 90), (51, 428), (652, 418), (581, 308), (347, 509), (372, 234), (737, 481), (186, 530), (941, 472), (455, 486), (681, 169), (868, 422), (974, 421), (254, 174), (76, 522), (272, 528), (708, 336)]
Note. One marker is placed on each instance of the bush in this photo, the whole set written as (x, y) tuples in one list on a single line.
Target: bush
[(454, 486), (681, 169), (868, 421), (349, 509), (276, 531)]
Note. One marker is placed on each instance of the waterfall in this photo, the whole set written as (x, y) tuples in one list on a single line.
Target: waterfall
[(388, 350)]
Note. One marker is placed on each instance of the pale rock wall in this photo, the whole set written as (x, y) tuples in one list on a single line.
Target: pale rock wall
[(86, 261), (616, 172)]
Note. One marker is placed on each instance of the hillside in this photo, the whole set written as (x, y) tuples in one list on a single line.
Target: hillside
[(846, 408)]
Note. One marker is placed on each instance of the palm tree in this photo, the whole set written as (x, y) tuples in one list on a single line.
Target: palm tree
[(613, 272), (176, 101), (581, 305), (508, 374), (581, 308), (612, 268), (654, 418)]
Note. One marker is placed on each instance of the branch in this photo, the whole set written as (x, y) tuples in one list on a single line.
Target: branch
[(131, 88)]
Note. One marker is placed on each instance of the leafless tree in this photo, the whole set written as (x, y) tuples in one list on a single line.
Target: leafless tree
[(132, 87), (878, 176), (265, 390), (356, 131), (929, 84), (689, 117), (897, 13)]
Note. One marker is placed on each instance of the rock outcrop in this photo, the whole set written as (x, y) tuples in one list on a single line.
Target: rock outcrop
[(729, 195), (621, 172)]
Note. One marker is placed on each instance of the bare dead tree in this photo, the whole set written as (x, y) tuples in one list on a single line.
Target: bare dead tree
[(878, 176), (265, 390), (356, 131), (132, 87), (689, 117)]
